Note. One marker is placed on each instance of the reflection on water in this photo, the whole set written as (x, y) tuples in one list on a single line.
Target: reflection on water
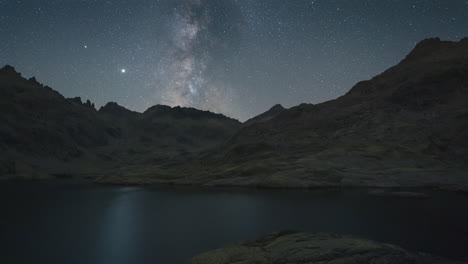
[(118, 232), (69, 222)]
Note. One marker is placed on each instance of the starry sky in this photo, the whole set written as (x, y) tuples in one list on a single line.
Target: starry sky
[(236, 57)]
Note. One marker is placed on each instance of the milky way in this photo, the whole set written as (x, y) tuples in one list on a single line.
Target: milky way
[(190, 78)]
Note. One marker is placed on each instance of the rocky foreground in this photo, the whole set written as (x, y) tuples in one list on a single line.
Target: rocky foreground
[(301, 248)]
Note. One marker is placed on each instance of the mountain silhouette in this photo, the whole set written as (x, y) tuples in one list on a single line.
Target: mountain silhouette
[(43, 133), (406, 127)]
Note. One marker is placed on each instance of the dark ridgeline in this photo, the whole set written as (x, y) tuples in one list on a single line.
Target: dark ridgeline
[(406, 127), (266, 116), (43, 133)]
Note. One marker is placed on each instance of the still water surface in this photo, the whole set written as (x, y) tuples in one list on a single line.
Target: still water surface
[(71, 222)]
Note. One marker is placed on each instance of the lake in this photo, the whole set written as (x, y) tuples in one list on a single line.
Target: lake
[(78, 222)]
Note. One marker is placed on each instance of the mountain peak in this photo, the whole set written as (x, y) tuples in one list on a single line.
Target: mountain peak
[(184, 112), (10, 70), (277, 107), (429, 42), (268, 115), (435, 48), (34, 80), (87, 104), (424, 48), (114, 108)]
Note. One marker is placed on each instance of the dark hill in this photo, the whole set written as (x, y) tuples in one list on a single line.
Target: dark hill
[(43, 133), (407, 126), (38, 122)]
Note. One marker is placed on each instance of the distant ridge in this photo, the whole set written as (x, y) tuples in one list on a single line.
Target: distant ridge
[(113, 106), (44, 133)]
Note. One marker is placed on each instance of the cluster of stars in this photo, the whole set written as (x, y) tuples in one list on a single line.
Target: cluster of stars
[(237, 57)]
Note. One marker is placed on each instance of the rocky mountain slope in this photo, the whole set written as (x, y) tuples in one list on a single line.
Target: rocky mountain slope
[(406, 127), (43, 133)]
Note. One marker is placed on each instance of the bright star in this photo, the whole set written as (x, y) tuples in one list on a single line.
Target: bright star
[(123, 70), (85, 46)]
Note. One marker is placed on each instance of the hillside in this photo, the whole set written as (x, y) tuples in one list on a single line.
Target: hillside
[(406, 127), (44, 133)]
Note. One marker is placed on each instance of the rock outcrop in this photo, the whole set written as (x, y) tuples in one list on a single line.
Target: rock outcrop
[(295, 248)]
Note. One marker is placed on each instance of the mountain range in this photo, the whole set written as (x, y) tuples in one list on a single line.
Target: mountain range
[(406, 127)]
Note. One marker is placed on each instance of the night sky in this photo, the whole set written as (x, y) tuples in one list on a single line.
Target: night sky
[(237, 57)]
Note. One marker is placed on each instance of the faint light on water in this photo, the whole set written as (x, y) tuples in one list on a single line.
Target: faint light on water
[(118, 239)]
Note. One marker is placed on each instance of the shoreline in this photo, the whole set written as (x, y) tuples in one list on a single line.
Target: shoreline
[(373, 191)]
